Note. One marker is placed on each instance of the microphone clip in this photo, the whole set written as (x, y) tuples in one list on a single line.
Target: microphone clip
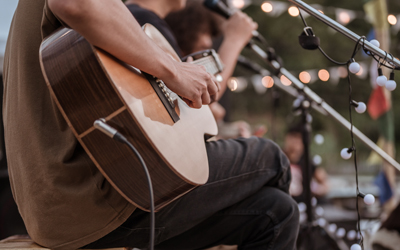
[(308, 40)]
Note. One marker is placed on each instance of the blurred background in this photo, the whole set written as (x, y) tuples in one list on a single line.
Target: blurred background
[(255, 99)]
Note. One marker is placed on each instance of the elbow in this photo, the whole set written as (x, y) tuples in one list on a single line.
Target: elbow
[(66, 9)]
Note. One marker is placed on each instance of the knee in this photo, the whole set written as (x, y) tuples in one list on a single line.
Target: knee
[(286, 211)]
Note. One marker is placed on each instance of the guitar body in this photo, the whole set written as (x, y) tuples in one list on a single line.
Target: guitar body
[(88, 84)]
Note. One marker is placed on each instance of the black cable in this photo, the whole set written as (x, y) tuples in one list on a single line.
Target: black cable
[(101, 125), (329, 58), (121, 138), (302, 18), (353, 149)]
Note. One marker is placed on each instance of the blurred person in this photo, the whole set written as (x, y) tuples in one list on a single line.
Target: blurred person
[(196, 28), (294, 150), (388, 235), (65, 201)]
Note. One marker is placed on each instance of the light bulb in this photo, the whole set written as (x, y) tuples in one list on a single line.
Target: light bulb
[(340, 233), (361, 107), (355, 247), (297, 102), (354, 67), (319, 139), (321, 222), (302, 207), (309, 118), (351, 235), (345, 154), (381, 79), (314, 201), (390, 85), (375, 42), (369, 199), (317, 160), (319, 211), (332, 228)]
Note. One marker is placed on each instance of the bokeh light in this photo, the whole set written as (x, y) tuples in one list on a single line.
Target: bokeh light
[(323, 75), (305, 77), (342, 71), (293, 11), (233, 83), (344, 17), (285, 81), (267, 7), (238, 3), (361, 72), (392, 19), (268, 81)]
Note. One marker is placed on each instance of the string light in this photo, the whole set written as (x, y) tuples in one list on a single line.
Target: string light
[(267, 7), (305, 77), (293, 11), (344, 17), (319, 139), (346, 153), (392, 19), (323, 75), (369, 199), (355, 247), (317, 160), (341, 232), (354, 67), (381, 79), (360, 107), (285, 81), (375, 43), (268, 81), (238, 3)]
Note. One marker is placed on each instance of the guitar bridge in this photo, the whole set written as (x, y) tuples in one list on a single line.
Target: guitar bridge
[(166, 96), (171, 96)]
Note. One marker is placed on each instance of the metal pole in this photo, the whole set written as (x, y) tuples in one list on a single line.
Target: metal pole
[(350, 34)]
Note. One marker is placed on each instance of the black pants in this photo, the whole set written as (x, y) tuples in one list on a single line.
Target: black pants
[(245, 203)]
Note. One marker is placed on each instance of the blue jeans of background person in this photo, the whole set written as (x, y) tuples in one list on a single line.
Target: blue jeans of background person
[(245, 202)]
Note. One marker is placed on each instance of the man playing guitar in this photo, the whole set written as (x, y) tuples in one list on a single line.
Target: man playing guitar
[(65, 201)]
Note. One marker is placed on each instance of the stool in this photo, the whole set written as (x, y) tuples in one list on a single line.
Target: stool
[(24, 242)]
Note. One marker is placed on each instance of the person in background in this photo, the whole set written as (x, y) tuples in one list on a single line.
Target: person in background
[(196, 28), (294, 150)]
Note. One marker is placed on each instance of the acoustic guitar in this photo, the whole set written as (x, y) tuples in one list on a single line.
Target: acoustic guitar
[(87, 83)]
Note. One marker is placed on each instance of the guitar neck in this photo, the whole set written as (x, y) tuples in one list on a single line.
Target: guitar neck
[(209, 59)]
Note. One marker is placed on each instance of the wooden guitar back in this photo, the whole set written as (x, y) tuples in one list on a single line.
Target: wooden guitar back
[(88, 84)]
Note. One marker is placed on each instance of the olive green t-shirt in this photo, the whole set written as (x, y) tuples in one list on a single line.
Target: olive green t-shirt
[(64, 200)]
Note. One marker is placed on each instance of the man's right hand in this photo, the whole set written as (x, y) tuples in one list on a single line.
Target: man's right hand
[(193, 83)]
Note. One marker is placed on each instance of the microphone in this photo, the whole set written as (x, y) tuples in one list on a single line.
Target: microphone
[(219, 7), (222, 9)]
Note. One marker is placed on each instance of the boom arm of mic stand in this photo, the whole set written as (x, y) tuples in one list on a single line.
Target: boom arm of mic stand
[(321, 103), (314, 97), (350, 34)]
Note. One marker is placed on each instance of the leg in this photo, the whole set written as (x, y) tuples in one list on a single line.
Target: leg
[(238, 170), (266, 220)]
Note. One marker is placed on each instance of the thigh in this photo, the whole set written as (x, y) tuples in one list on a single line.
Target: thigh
[(267, 219), (238, 169)]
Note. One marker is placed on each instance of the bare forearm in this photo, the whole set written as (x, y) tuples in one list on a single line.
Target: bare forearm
[(109, 25), (228, 52)]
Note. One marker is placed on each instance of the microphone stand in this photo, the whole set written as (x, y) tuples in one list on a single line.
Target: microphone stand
[(348, 33), (278, 70)]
